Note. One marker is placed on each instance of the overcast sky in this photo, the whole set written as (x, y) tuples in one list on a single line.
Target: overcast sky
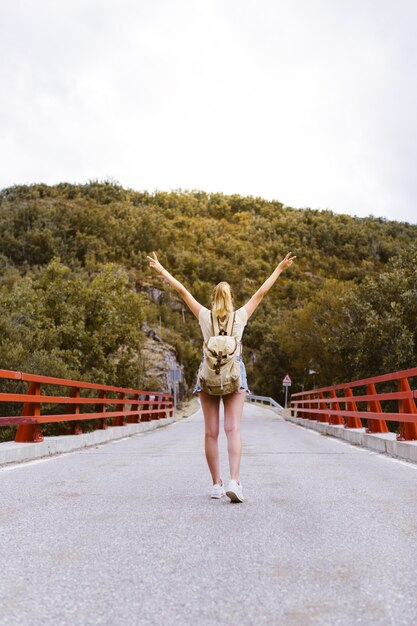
[(312, 103)]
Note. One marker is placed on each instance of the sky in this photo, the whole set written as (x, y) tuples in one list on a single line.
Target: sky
[(309, 103)]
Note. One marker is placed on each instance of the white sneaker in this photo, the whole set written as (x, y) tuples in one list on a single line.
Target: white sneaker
[(217, 491), (234, 491)]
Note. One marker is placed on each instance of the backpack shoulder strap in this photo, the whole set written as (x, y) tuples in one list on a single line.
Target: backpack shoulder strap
[(230, 323), (214, 324)]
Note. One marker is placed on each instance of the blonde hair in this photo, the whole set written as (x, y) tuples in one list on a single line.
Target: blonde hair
[(222, 299)]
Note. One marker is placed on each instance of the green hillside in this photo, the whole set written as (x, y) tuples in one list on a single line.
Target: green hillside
[(76, 288)]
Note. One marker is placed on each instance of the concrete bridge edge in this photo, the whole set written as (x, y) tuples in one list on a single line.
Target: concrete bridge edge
[(11, 452), (384, 443)]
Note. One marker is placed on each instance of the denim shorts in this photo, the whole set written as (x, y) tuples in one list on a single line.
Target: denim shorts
[(243, 377)]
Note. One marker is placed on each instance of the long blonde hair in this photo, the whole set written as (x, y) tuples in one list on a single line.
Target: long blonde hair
[(222, 299)]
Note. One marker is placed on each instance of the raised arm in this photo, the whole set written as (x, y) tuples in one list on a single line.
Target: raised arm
[(189, 300), (257, 297)]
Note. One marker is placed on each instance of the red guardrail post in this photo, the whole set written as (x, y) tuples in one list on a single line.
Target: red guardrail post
[(406, 430), (352, 421), (312, 405), (151, 406), (139, 408), (75, 427), (336, 420), (375, 426), (102, 423), (294, 408), (155, 406), (322, 417), (309, 415), (307, 406), (146, 416), (30, 433), (134, 419), (121, 419)]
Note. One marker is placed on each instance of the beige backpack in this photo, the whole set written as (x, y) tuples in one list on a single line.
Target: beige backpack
[(219, 372)]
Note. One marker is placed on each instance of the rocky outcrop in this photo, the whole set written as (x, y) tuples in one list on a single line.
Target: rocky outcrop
[(159, 296), (159, 361), (153, 293)]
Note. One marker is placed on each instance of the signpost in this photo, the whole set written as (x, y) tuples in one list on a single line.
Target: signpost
[(175, 377), (286, 382)]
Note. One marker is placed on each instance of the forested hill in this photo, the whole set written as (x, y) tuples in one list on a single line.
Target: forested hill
[(76, 288)]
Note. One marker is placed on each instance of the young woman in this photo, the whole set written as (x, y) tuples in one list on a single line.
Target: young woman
[(222, 307)]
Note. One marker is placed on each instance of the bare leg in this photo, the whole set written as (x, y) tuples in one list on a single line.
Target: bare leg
[(233, 409), (211, 411)]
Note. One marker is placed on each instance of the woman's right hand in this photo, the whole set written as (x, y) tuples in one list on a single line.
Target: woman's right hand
[(286, 262), (154, 263)]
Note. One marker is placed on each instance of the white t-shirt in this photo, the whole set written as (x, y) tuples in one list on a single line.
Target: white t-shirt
[(204, 319)]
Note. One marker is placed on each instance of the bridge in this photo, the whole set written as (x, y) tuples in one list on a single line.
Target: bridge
[(124, 532)]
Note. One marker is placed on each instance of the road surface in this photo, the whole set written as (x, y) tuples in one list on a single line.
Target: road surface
[(125, 533)]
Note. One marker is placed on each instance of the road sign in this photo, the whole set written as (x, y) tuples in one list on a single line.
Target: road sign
[(175, 375), (286, 382)]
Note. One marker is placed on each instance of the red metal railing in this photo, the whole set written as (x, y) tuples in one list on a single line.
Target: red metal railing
[(127, 405), (325, 405)]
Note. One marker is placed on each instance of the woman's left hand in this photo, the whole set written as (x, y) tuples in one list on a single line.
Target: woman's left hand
[(286, 262), (154, 263)]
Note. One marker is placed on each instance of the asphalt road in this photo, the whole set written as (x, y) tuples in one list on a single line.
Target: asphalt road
[(126, 534)]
